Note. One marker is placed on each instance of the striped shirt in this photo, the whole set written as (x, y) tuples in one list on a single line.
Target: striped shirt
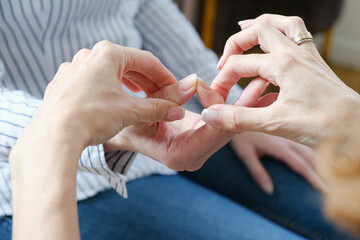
[(36, 36)]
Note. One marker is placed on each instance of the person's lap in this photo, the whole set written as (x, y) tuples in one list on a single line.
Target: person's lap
[(294, 204), (163, 207), (172, 207), (169, 207)]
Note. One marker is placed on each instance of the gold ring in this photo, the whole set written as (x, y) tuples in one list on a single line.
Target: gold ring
[(303, 37)]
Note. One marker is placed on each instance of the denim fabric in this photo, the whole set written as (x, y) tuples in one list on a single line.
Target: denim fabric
[(5, 227), (294, 204), (169, 207), (172, 207)]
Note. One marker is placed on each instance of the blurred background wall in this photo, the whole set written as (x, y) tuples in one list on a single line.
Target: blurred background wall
[(346, 43)]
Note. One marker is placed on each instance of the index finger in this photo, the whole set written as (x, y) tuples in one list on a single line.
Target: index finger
[(148, 65), (142, 64), (239, 66), (258, 34)]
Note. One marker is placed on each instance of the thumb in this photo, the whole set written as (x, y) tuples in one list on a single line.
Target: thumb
[(236, 118), (158, 110)]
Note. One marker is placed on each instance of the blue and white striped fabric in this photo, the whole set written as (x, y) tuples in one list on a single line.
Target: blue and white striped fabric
[(36, 36)]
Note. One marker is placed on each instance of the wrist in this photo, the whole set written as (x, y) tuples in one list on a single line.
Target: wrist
[(63, 126), (42, 149)]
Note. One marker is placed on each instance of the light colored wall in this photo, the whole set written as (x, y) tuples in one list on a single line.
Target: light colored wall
[(346, 42)]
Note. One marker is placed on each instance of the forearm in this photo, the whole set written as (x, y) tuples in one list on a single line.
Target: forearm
[(43, 172)]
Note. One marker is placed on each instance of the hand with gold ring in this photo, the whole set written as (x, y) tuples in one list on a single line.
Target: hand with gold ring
[(302, 37), (311, 98)]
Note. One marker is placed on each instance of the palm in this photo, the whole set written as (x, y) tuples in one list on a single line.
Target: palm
[(184, 144)]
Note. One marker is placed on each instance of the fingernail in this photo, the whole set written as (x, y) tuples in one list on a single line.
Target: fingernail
[(267, 187), (175, 113), (241, 22), (244, 22), (265, 87), (203, 84), (218, 65), (188, 83), (211, 116)]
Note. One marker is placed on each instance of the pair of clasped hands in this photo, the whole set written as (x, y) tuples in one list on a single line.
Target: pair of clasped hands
[(86, 104)]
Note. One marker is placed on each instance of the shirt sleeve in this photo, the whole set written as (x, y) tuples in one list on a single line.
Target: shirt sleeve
[(172, 38), (17, 109)]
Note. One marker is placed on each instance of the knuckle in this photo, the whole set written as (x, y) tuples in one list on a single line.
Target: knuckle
[(298, 21), (235, 121), (262, 27), (157, 109), (104, 48), (103, 44), (152, 110), (231, 61), (286, 60), (50, 86), (272, 125), (154, 60), (150, 54), (81, 53), (265, 18), (231, 40), (134, 110), (64, 65)]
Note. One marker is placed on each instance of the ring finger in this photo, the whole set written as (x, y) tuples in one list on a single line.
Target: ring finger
[(290, 26)]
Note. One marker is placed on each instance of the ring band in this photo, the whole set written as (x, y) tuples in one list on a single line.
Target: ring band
[(303, 37)]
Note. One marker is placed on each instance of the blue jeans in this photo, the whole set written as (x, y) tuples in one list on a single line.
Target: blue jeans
[(168, 207), (294, 204), (173, 207)]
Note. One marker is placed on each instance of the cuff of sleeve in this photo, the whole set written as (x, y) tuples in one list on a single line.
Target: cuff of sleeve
[(93, 160), (120, 161)]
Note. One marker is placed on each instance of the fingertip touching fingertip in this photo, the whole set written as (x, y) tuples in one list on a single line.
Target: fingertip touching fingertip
[(188, 83)]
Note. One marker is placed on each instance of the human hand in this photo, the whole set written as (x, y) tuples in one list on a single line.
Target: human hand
[(311, 96), (86, 95), (181, 145), (185, 144), (250, 146), (84, 104)]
